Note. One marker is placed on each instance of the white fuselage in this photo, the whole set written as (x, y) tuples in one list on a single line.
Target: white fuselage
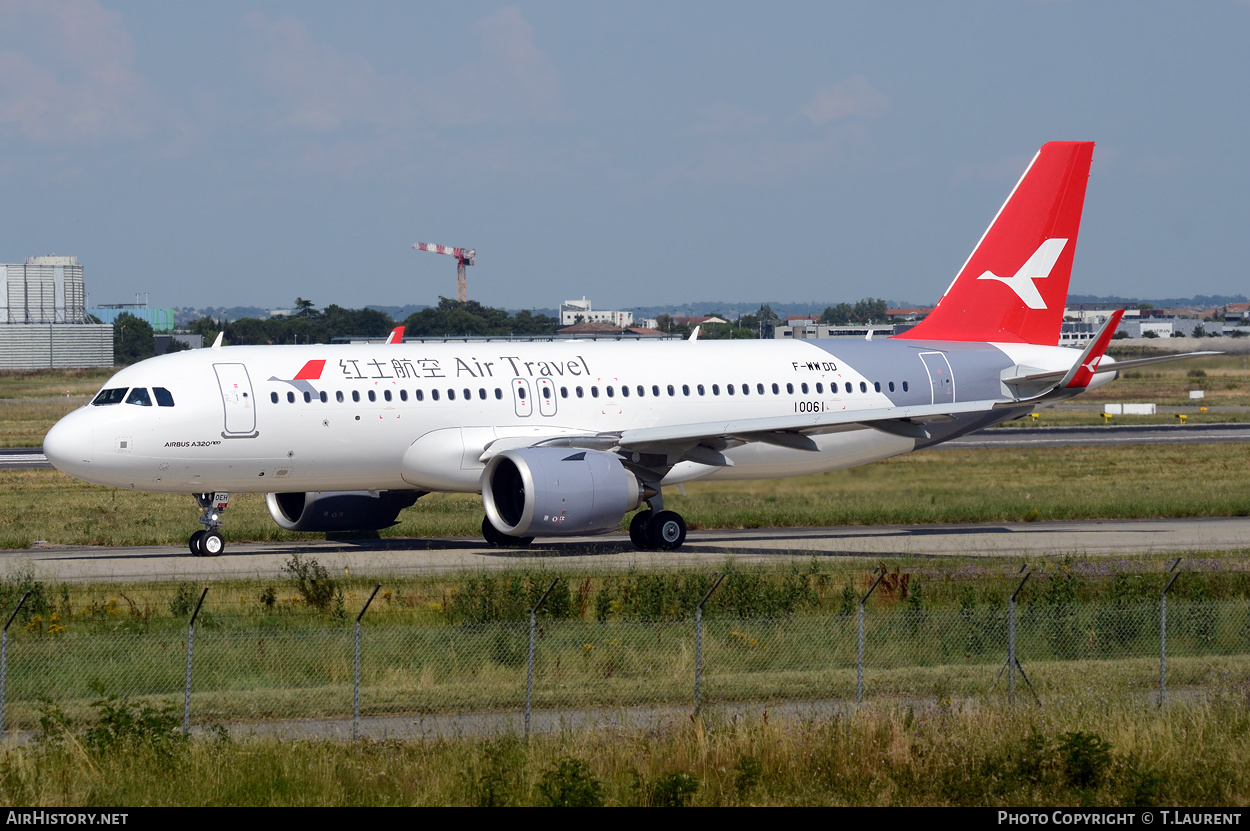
[(420, 415)]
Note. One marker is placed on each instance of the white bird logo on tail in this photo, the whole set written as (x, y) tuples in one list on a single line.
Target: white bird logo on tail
[(1036, 268)]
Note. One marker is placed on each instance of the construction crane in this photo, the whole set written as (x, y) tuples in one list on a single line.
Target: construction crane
[(464, 257)]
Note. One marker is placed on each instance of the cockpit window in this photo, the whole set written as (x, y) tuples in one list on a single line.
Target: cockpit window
[(163, 398), (113, 396), (139, 396)]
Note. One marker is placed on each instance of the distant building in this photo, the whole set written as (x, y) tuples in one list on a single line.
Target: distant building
[(43, 313), (579, 311), (161, 320), (43, 290)]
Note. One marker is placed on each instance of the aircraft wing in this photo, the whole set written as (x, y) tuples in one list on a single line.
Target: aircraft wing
[(703, 441)]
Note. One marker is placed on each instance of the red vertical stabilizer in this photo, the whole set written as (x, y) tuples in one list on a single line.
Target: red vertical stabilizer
[(1014, 286)]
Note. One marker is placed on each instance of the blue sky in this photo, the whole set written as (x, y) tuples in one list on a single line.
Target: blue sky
[(637, 153)]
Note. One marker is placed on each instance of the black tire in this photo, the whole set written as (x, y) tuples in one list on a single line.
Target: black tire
[(638, 530), (196, 542), (667, 531), (212, 544), (499, 539)]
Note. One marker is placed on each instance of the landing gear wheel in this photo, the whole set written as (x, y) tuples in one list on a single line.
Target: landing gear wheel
[(666, 531), (213, 543), (196, 543), (638, 530), (499, 539)]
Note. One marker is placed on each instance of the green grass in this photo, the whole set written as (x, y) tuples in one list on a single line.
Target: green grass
[(937, 486)]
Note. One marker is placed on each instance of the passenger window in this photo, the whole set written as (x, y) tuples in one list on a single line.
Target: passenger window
[(547, 393), (611, 392), (564, 392), (760, 389), (434, 395), (163, 398), (624, 390), (891, 386), (139, 396), (594, 392), (481, 393), (655, 390), (863, 386), (876, 386), (373, 396), (419, 395), (804, 388), (821, 387), (700, 389), (324, 398), (729, 388), (403, 395), (716, 389), (451, 395), (308, 397), (746, 389), (290, 398), (468, 394), (904, 386), (579, 392), (776, 390), (671, 391), (685, 389), (356, 395), (498, 393), (386, 394), (338, 396), (848, 387), (113, 396), (273, 396), (790, 389)]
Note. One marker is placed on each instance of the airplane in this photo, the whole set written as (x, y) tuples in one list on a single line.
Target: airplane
[(567, 438)]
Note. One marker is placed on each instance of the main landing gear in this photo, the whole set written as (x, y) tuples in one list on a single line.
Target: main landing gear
[(209, 542), (656, 529)]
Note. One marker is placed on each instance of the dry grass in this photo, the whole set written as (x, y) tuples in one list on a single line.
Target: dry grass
[(1088, 753)]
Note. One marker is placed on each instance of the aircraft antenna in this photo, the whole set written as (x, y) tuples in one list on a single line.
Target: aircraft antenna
[(464, 257)]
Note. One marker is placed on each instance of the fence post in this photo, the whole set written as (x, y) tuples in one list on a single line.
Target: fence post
[(186, 689), (698, 645), (859, 654), (356, 679), (1163, 630), (4, 658), (1012, 661), (529, 672)]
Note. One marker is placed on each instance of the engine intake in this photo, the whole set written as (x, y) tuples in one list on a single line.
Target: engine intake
[(339, 511), (557, 491)]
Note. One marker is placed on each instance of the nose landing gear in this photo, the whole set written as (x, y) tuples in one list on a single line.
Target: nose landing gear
[(209, 542)]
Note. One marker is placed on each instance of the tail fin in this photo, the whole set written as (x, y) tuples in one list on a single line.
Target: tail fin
[(1013, 287)]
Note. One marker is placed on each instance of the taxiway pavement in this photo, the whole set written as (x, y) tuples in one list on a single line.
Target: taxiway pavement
[(707, 549)]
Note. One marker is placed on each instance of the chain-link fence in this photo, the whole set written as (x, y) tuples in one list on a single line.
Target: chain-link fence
[(278, 671)]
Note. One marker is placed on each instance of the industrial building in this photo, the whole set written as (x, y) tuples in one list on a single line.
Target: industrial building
[(43, 324)]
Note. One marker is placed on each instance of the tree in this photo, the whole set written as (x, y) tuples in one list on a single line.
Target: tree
[(133, 339), (305, 308)]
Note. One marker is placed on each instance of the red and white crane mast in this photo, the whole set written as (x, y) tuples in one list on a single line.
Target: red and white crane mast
[(464, 257)]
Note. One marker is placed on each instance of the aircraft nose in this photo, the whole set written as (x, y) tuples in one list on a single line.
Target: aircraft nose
[(69, 445)]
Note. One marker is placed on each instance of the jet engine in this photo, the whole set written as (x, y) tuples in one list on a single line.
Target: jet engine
[(339, 511), (557, 491)]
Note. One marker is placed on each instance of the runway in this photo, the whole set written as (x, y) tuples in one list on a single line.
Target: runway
[(703, 549)]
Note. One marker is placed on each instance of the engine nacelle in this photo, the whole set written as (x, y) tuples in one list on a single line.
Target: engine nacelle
[(339, 511), (557, 491)]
